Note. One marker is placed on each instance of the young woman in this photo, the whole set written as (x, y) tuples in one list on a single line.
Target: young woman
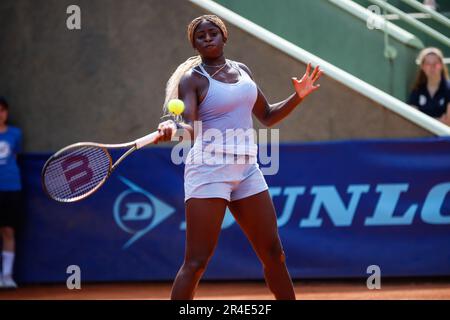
[(222, 95), (431, 90), (10, 193)]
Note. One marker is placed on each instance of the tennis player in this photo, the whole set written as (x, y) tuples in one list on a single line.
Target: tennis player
[(222, 94)]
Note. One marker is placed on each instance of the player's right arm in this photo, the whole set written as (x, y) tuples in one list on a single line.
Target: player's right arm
[(187, 92)]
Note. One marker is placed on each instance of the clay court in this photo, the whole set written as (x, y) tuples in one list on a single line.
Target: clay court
[(398, 289)]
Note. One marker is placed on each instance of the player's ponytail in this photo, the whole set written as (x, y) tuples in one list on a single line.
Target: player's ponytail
[(174, 80)]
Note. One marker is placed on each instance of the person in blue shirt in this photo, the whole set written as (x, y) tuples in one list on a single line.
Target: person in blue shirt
[(10, 193), (431, 90)]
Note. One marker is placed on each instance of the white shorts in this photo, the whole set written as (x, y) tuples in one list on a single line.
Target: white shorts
[(227, 181)]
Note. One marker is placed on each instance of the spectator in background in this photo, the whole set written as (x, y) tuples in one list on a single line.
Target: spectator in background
[(431, 90), (10, 193)]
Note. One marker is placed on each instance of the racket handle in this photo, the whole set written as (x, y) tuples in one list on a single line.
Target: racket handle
[(148, 139)]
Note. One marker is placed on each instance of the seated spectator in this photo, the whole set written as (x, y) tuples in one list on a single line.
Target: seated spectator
[(431, 90)]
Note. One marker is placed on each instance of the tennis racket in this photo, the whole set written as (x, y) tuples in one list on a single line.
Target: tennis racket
[(78, 170)]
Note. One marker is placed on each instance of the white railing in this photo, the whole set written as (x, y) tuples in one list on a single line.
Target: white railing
[(414, 22), (432, 13), (365, 15)]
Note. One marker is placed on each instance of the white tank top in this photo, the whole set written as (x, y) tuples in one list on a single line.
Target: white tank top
[(226, 116)]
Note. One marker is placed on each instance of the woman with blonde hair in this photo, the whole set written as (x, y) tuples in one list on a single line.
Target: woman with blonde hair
[(222, 94), (431, 90)]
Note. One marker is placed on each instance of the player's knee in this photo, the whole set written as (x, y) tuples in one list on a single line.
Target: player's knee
[(274, 255), (196, 265)]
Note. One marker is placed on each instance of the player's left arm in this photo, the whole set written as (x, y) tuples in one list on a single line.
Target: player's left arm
[(270, 114)]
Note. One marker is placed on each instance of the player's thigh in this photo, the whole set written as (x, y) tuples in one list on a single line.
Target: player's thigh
[(257, 217), (203, 224)]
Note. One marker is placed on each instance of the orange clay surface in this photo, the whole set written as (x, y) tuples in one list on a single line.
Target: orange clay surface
[(422, 289)]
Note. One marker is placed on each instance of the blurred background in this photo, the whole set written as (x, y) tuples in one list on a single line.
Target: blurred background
[(105, 82)]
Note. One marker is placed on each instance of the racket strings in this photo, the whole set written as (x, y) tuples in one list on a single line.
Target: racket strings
[(76, 172)]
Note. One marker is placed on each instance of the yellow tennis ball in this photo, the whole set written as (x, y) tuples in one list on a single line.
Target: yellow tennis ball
[(176, 106)]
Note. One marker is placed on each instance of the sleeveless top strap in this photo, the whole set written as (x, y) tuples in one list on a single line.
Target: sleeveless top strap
[(241, 71), (206, 74), (203, 72)]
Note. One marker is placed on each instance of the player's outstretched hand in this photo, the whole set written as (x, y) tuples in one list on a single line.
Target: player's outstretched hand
[(305, 85)]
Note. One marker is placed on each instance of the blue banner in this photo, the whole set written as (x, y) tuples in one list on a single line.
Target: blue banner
[(342, 207)]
